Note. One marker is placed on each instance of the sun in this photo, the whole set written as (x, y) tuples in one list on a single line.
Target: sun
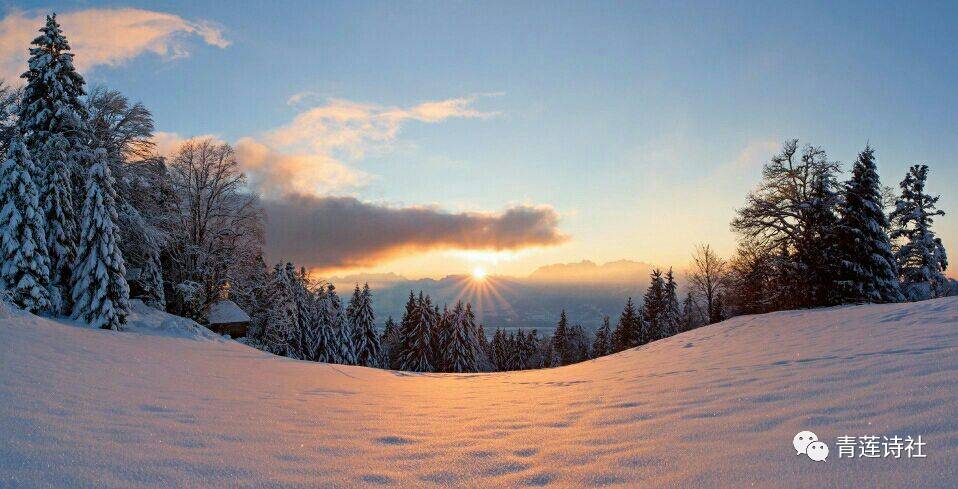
[(478, 273)]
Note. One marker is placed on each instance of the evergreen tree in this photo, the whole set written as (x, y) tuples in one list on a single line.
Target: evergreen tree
[(672, 316), (414, 337), (52, 120), (921, 256), (867, 271), (628, 331), (439, 335), (25, 267), (690, 313), (560, 342), (61, 231), (821, 246), (578, 345), (100, 291), (324, 348), (352, 305), (330, 315), (346, 353), (280, 327), (51, 102), (653, 309), (498, 348), (475, 344), (390, 344), (603, 339), (485, 365), (256, 300), (9, 102), (299, 284), (459, 351), (533, 357), (344, 340), (513, 345), (364, 332), (151, 276)]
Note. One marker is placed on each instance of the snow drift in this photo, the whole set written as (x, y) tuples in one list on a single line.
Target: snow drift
[(715, 407)]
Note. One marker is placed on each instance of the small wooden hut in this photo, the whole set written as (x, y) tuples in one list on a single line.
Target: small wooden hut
[(226, 317)]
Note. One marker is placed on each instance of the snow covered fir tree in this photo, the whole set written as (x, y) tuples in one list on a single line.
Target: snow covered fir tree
[(93, 217), (920, 255), (867, 268), (25, 271), (100, 292)]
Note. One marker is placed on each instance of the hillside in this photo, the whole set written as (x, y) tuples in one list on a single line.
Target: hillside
[(715, 407)]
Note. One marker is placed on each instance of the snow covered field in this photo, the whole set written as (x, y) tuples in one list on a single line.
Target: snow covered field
[(170, 405)]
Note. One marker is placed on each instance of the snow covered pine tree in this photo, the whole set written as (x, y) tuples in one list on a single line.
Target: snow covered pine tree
[(51, 120), (459, 353), (602, 345), (414, 337), (364, 333), (324, 348), (867, 268), (673, 315), (653, 309), (921, 258), (61, 232), (628, 330), (25, 267), (100, 291)]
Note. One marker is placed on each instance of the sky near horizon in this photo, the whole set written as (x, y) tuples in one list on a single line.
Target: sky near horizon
[(418, 133)]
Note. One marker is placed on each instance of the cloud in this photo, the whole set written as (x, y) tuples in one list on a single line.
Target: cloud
[(297, 166), (350, 128), (315, 152), (104, 37), (274, 173), (343, 232)]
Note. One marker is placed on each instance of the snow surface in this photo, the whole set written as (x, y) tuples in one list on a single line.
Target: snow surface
[(146, 320), (714, 407)]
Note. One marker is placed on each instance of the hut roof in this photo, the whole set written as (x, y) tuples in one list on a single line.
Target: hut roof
[(224, 312)]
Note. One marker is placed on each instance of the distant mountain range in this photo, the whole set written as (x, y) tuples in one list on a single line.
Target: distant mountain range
[(586, 291), (585, 271)]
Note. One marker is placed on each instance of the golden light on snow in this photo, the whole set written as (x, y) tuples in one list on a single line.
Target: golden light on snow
[(479, 273)]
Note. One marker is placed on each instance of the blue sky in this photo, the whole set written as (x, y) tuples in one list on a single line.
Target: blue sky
[(642, 125)]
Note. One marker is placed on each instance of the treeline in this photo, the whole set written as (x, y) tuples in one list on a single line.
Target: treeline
[(659, 316), (307, 320), (807, 239)]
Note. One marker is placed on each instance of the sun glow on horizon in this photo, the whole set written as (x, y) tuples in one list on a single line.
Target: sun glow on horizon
[(479, 273)]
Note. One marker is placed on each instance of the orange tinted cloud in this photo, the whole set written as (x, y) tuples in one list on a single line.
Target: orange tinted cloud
[(312, 154), (105, 37), (351, 128), (274, 173)]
